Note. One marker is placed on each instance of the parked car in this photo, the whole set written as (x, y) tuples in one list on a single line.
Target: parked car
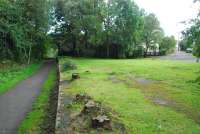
[(189, 50)]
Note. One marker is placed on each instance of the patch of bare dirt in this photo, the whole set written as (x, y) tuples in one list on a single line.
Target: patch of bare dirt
[(64, 83), (157, 93), (86, 115), (143, 81), (161, 101), (114, 79)]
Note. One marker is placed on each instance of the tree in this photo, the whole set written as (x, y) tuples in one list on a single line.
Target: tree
[(23, 27), (81, 23), (192, 38), (10, 31), (167, 45), (184, 45), (152, 33), (35, 17), (191, 35), (105, 29), (127, 24), (112, 28)]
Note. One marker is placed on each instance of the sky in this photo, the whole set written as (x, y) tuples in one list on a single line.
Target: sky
[(171, 13)]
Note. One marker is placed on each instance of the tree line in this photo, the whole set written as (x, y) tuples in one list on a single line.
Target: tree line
[(112, 28), (94, 28)]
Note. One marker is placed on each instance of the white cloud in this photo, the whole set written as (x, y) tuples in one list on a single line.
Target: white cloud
[(170, 13)]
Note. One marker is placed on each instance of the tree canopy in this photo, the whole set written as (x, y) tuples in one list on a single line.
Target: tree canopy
[(116, 28), (95, 28), (167, 45), (152, 32), (23, 27)]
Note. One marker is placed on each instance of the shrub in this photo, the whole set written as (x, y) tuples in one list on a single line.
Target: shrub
[(198, 80), (68, 65)]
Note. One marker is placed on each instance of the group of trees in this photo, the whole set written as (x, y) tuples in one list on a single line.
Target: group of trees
[(101, 28), (23, 27), (191, 37), (112, 28)]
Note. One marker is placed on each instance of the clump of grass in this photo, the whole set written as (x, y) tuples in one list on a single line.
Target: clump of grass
[(68, 65), (34, 121), (198, 80)]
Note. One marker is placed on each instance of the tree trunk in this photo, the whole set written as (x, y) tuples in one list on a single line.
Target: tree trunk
[(30, 49), (85, 38), (29, 54), (198, 58), (107, 50), (59, 50), (25, 54), (74, 48), (147, 47), (145, 52)]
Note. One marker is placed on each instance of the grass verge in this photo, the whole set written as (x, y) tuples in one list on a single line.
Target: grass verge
[(10, 75), (42, 117)]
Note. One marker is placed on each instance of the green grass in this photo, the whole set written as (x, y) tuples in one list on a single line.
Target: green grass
[(33, 122), (10, 75), (172, 81)]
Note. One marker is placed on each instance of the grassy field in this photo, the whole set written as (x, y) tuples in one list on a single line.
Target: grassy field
[(11, 74), (149, 96), (40, 120)]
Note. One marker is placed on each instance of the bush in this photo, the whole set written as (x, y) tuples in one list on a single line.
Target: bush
[(163, 52), (68, 65), (138, 52), (198, 80)]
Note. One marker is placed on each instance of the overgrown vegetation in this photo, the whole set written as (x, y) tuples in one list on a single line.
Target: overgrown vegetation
[(145, 100), (11, 73), (41, 120)]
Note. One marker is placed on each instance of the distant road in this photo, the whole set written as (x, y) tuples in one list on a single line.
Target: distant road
[(181, 56)]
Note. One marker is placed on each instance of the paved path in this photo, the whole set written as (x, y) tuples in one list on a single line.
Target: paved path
[(181, 56), (18, 101)]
